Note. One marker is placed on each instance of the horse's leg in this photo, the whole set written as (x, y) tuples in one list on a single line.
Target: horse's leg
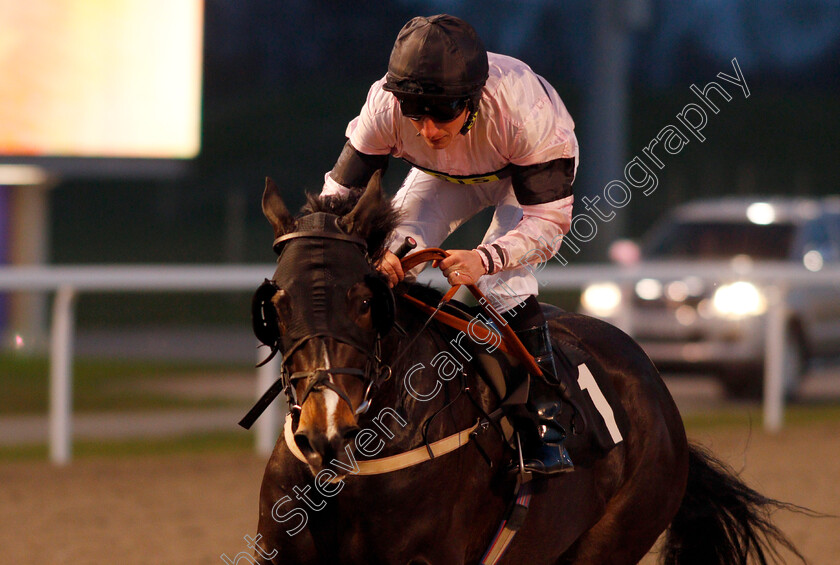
[(642, 507)]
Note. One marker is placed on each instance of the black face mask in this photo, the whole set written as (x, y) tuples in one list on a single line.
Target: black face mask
[(318, 265)]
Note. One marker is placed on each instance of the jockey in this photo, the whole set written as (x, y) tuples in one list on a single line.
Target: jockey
[(479, 129)]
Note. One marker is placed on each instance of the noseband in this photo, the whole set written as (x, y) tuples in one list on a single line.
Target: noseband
[(374, 374)]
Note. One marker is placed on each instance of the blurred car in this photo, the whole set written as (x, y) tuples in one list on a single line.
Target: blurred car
[(699, 324)]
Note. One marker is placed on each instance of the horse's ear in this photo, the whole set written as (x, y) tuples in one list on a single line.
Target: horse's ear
[(358, 220), (274, 209)]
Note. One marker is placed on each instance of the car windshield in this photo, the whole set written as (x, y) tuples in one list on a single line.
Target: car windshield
[(720, 240)]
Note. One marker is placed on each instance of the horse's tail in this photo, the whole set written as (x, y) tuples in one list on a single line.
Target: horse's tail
[(723, 521)]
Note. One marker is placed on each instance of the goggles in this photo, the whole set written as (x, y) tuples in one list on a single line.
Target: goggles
[(444, 110)]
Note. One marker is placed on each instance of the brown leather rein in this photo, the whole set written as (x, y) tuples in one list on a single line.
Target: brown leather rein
[(510, 342)]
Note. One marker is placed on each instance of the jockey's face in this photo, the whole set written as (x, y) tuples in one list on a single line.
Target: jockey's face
[(436, 134)]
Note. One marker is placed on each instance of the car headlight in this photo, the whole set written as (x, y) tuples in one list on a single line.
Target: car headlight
[(601, 299), (739, 300), (649, 289)]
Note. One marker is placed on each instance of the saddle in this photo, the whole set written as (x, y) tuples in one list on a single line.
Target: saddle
[(589, 435)]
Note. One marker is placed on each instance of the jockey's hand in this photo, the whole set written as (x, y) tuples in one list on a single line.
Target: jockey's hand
[(391, 267), (462, 266)]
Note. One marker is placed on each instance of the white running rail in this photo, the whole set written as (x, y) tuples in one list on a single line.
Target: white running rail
[(68, 281)]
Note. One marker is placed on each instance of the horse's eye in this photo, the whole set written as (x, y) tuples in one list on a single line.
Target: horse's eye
[(365, 305)]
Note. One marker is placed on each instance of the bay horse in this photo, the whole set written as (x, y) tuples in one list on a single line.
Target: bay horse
[(358, 368)]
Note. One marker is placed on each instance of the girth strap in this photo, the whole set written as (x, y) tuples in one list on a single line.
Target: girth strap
[(511, 523)]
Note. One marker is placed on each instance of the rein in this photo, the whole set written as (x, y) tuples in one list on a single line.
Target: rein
[(323, 378), (510, 342), (517, 510)]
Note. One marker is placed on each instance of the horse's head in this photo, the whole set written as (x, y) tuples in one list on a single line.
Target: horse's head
[(325, 310)]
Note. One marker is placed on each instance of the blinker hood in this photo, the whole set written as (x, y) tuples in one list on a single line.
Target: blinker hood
[(318, 265)]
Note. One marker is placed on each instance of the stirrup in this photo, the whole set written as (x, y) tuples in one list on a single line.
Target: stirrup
[(551, 459)]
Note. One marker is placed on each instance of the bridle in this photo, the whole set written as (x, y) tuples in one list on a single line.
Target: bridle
[(372, 376)]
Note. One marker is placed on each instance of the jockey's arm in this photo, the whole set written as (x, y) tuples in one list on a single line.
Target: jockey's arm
[(352, 170), (544, 192)]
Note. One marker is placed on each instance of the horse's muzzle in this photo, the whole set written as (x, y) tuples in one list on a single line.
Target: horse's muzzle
[(321, 449)]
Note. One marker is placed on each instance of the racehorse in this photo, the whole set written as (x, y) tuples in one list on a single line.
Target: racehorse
[(358, 367)]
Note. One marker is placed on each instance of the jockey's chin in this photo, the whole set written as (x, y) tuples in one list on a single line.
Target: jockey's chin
[(438, 134), (439, 144)]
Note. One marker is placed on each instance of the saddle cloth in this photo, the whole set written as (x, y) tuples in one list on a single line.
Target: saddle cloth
[(593, 422)]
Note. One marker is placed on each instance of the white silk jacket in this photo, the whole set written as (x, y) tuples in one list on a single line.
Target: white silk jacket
[(521, 121)]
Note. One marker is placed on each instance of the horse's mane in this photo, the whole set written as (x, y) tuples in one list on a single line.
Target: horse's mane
[(380, 224)]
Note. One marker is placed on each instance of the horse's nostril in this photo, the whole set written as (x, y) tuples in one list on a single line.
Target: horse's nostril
[(350, 433), (303, 444)]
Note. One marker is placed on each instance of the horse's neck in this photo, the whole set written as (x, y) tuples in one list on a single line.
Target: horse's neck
[(427, 391)]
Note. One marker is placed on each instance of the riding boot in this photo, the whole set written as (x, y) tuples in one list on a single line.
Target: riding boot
[(544, 451)]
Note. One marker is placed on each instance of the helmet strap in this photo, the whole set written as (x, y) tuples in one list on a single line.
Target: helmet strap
[(470, 121)]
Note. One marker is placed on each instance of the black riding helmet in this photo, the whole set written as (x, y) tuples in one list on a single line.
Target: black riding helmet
[(438, 65)]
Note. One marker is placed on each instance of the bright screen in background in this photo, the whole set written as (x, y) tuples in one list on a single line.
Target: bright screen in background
[(100, 78)]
